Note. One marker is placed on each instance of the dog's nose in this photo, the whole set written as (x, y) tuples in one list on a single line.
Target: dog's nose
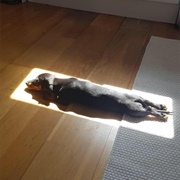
[(28, 83)]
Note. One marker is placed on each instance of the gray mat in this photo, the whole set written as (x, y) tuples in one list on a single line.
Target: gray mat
[(140, 155)]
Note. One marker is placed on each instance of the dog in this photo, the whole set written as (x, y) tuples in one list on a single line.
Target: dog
[(72, 90)]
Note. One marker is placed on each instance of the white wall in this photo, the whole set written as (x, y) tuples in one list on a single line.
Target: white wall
[(166, 1), (178, 19), (142, 9)]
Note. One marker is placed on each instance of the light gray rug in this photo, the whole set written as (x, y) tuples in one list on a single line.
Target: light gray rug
[(137, 154)]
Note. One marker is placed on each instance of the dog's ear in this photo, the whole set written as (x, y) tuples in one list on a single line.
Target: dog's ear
[(45, 82)]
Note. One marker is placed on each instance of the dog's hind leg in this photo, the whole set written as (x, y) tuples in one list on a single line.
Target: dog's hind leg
[(157, 106), (161, 114), (136, 109), (146, 103)]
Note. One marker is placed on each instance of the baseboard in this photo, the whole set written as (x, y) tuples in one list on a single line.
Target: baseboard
[(141, 9)]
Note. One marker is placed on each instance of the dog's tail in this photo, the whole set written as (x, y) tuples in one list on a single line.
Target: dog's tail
[(164, 111)]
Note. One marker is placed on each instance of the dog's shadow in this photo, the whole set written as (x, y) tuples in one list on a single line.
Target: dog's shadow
[(84, 110)]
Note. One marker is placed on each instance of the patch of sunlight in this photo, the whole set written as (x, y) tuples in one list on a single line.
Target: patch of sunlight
[(152, 127)]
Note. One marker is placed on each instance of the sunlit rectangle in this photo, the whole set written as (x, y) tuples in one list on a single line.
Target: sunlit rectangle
[(152, 127)]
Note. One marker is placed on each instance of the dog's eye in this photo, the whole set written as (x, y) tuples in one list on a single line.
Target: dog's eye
[(36, 82)]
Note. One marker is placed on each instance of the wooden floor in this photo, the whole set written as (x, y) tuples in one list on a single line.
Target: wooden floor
[(40, 143)]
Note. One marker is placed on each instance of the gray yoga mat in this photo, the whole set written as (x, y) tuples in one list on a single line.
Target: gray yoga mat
[(150, 150)]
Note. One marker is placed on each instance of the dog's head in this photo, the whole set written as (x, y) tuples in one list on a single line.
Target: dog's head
[(40, 82)]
